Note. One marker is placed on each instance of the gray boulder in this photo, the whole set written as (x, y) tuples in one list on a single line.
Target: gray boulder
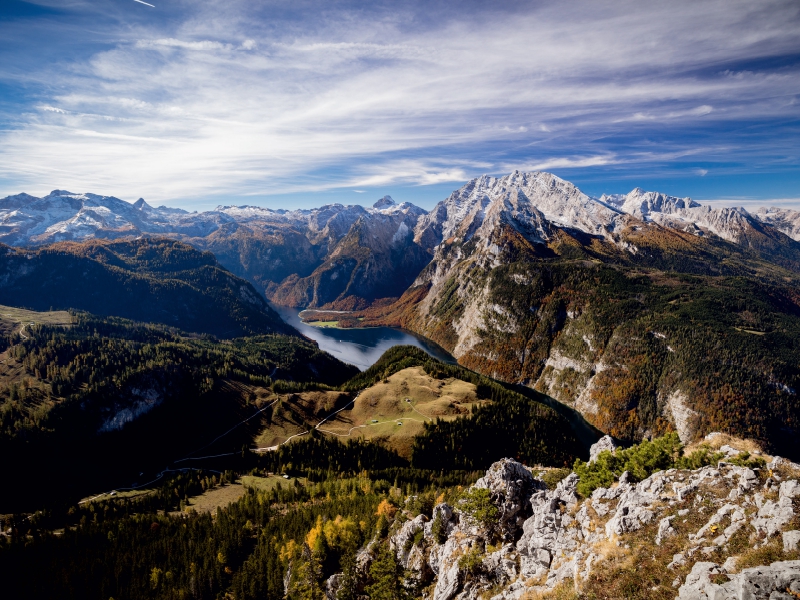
[(698, 585), (757, 583), (604, 443), (791, 541)]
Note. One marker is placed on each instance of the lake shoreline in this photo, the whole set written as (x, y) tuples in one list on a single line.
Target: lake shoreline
[(359, 346)]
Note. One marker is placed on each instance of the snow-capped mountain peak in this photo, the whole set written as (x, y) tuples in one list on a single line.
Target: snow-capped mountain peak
[(384, 202), (640, 204)]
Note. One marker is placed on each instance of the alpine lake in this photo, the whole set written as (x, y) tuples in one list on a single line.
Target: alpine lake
[(361, 347)]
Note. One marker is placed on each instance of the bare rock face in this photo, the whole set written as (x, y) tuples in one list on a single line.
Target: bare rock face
[(501, 566), (450, 575), (604, 443), (566, 537), (783, 219), (403, 541), (510, 485), (778, 581), (407, 547), (551, 531), (332, 586)]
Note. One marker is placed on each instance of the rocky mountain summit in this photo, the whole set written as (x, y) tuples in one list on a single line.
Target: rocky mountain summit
[(534, 199), (783, 219), (726, 530)]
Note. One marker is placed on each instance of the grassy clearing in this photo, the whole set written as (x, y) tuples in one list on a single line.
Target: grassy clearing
[(221, 496), (21, 315), (392, 411), (332, 324), (267, 484), (295, 413), (395, 409), (210, 500)]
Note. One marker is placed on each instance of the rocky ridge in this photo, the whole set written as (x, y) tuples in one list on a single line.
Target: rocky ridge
[(327, 255), (686, 534)]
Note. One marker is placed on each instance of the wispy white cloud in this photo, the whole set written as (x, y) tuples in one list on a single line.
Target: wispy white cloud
[(699, 111), (183, 44), (565, 163), (414, 172)]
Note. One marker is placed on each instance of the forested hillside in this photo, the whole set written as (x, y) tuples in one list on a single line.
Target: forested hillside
[(93, 404), (103, 398), (159, 281), (124, 549)]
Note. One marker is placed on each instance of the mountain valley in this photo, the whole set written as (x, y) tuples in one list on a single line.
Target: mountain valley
[(662, 316)]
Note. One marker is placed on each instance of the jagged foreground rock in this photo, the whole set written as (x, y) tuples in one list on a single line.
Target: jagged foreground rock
[(686, 529)]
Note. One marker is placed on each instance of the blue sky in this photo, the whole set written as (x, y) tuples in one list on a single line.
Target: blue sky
[(281, 104)]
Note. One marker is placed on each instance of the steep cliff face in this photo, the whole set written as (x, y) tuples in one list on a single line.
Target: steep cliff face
[(642, 326)]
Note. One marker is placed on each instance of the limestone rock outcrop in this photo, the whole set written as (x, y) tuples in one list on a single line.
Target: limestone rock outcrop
[(547, 537), (778, 581), (604, 443), (510, 485)]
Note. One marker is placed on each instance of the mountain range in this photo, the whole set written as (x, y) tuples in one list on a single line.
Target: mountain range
[(330, 256), (344, 257), (645, 312)]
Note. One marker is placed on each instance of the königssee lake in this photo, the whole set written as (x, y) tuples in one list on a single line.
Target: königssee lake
[(360, 347)]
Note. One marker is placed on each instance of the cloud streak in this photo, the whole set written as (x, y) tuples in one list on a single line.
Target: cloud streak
[(228, 98)]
